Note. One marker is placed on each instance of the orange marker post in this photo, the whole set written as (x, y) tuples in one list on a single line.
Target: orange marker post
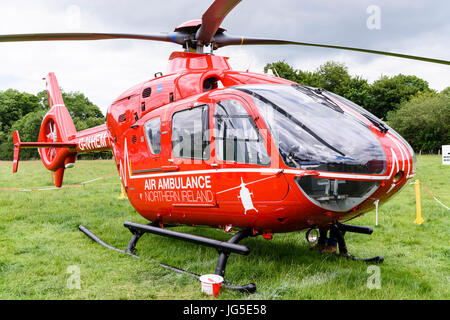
[(419, 219)]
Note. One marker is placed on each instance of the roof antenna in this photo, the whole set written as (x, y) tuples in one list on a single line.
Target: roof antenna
[(249, 65), (275, 71)]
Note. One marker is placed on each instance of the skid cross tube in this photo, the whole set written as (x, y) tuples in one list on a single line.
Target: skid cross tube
[(356, 229), (219, 245)]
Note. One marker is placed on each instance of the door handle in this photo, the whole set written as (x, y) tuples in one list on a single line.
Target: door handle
[(170, 168)]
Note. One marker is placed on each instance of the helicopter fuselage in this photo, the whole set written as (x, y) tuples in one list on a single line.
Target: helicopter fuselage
[(206, 145)]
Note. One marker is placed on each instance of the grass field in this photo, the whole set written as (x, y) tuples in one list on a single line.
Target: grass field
[(40, 241)]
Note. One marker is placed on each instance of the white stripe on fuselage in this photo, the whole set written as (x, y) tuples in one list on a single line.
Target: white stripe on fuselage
[(402, 149), (333, 175), (263, 171)]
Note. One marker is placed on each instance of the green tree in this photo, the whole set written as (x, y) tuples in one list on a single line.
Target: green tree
[(424, 121), (14, 105), (24, 112), (334, 77), (28, 126), (357, 90), (386, 94), (446, 91), (3, 146), (283, 70), (84, 113), (310, 79)]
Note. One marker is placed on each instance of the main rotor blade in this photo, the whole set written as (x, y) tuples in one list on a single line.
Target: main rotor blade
[(212, 19), (222, 40), (175, 37)]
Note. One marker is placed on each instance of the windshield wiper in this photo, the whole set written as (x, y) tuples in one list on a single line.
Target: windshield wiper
[(380, 125), (316, 93)]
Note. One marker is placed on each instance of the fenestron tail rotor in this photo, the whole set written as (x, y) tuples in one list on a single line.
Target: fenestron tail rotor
[(196, 34)]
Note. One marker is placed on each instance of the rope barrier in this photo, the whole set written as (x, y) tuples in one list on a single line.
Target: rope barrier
[(111, 174), (431, 195), (55, 188), (419, 219)]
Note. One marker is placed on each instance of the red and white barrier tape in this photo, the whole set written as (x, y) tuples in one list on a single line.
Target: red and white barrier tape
[(55, 188), (431, 195)]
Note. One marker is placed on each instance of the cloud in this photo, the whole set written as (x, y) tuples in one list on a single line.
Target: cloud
[(104, 69)]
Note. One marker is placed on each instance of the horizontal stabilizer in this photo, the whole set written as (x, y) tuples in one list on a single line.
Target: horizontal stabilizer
[(19, 144)]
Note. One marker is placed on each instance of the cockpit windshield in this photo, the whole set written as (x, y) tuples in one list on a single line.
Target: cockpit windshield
[(380, 124), (312, 132)]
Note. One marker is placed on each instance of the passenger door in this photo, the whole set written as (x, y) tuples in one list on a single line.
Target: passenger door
[(190, 152), (247, 178)]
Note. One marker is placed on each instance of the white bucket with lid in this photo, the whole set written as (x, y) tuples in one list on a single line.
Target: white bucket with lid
[(211, 284)]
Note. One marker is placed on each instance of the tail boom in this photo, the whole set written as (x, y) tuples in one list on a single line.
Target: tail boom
[(95, 139)]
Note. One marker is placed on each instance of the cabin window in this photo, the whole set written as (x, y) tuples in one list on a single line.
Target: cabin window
[(190, 133), (237, 136), (152, 130)]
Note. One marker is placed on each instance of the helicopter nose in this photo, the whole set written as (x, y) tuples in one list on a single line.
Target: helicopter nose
[(380, 178), (402, 160)]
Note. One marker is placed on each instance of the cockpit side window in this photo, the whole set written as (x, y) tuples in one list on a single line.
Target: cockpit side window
[(152, 130), (237, 136), (190, 133)]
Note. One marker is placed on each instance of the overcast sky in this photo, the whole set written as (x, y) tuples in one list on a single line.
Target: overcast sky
[(104, 69)]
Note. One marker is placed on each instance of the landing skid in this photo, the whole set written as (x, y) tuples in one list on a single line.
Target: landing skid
[(224, 248), (339, 230)]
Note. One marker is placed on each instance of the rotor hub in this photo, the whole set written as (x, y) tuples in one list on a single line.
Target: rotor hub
[(191, 29), (192, 26)]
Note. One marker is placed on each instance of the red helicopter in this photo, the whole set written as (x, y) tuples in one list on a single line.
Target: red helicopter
[(206, 145)]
